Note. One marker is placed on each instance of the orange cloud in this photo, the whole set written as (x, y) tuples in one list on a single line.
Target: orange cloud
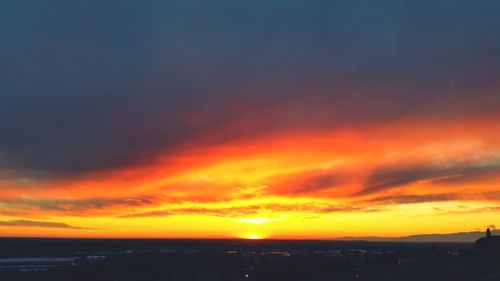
[(313, 173)]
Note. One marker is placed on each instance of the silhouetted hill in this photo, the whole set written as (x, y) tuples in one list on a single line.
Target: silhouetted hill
[(489, 243), (460, 237)]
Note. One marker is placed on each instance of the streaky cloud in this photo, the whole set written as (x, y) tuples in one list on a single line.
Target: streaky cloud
[(414, 199), (252, 210), (387, 178), (30, 223)]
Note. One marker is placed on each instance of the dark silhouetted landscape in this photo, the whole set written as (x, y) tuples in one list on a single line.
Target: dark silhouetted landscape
[(42, 259)]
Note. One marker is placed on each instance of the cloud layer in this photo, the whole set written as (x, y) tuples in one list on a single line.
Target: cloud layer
[(29, 223)]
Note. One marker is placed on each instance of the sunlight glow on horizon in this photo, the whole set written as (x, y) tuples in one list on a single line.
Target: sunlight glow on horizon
[(314, 186), (254, 237)]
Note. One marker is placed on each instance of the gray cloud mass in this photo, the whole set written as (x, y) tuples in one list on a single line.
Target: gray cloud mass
[(31, 223), (98, 85)]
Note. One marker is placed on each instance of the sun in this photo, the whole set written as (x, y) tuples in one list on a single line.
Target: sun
[(253, 237)]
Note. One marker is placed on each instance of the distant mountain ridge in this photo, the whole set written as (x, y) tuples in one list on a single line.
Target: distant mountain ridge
[(459, 237)]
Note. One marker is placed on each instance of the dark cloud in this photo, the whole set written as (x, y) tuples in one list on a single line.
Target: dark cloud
[(100, 84), (411, 199), (75, 207), (393, 177), (31, 223), (384, 179), (470, 173)]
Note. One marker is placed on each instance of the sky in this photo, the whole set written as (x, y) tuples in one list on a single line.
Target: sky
[(249, 119)]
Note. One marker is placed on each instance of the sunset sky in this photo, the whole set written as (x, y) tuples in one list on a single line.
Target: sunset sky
[(249, 119)]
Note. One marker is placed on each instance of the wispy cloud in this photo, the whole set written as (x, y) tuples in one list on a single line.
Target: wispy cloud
[(73, 207), (253, 210), (413, 199), (30, 223)]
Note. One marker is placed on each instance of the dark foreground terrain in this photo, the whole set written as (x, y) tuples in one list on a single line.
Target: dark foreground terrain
[(234, 260)]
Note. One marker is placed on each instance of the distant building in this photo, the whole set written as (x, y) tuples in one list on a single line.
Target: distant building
[(34, 264), (489, 242), (96, 258)]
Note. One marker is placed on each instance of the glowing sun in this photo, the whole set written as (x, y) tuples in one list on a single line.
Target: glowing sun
[(253, 237)]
